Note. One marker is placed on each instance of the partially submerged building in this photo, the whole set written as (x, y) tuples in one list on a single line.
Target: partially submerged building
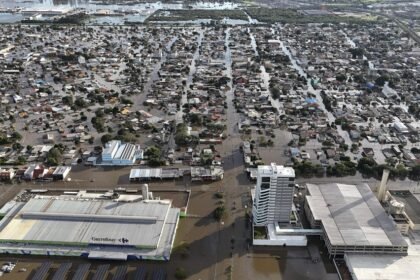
[(273, 210), (117, 153), (34, 171), (383, 266), (352, 220), (7, 174), (210, 173), (147, 174), (273, 194), (61, 173), (92, 225)]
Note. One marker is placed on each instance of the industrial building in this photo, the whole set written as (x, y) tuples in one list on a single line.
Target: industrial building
[(7, 174), (211, 173), (117, 153), (404, 207), (384, 266), (352, 220), (147, 174), (93, 225)]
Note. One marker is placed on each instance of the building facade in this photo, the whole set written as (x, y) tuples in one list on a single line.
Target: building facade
[(352, 220), (273, 194), (117, 153)]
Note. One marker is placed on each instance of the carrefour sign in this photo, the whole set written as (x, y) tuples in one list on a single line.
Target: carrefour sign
[(122, 240)]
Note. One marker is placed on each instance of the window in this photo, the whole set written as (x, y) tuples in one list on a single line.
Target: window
[(291, 179), (265, 179), (265, 186)]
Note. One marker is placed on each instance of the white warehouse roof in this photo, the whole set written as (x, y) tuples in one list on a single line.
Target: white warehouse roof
[(82, 222)]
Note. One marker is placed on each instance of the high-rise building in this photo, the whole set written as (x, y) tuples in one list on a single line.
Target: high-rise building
[(273, 194)]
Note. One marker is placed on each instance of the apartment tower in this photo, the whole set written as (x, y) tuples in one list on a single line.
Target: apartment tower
[(273, 194)]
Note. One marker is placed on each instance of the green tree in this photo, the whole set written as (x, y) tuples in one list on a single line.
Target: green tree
[(400, 171), (80, 102), (341, 77), (153, 154), (219, 212), (98, 123), (99, 113), (21, 160), (67, 100), (180, 273), (275, 92), (367, 166), (196, 119), (16, 136), (126, 101), (356, 52), (54, 156), (380, 81), (415, 172), (106, 138), (181, 136)]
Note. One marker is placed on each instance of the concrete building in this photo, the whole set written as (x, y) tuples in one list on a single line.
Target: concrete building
[(273, 194), (384, 266), (61, 173), (352, 220), (48, 138), (147, 174), (211, 173), (404, 207), (400, 127), (93, 225), (34, 171), (117, 153), (7, 174)]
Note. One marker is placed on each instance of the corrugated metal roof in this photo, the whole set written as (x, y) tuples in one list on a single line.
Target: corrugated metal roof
[(136, 231), (351, 215)]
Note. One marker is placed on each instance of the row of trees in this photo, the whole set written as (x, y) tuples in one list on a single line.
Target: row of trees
[(342, 168), (366, 166), (307, 169)]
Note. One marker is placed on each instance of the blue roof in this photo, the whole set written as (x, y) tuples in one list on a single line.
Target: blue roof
[(310, 100), (370, 85), (294, 151)]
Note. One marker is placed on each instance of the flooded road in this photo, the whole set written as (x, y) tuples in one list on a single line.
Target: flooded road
[(265, 77), (317, 93), (246, 262), (184, 99), (154, 76)]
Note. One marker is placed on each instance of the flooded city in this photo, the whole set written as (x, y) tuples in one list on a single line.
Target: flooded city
[(209, 140)]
